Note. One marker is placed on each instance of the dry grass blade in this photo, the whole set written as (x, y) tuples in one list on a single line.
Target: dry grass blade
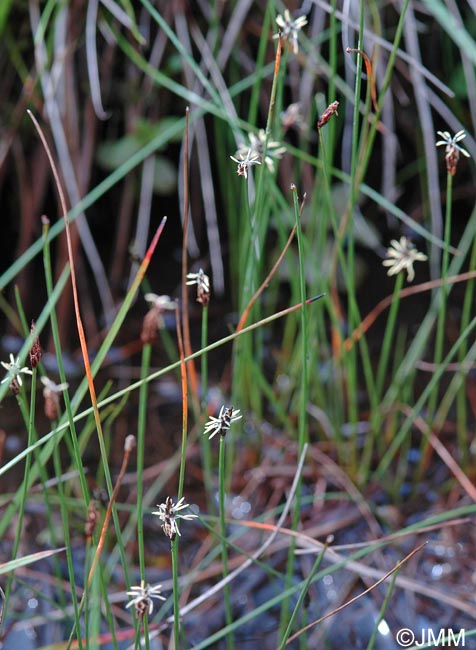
[(79, 323), (397, 567), (443, 453), (266, 281), (128, 447), (372, 316), (183, 378), (370, 75), (187, 345)]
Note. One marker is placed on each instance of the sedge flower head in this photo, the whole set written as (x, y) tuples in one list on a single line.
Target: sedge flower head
[(168, 512), (255, 148), (202, 281), (161, 303), (51, 393), (222, 423), (153, 319), (292, 116), (289, 29), (142, 598), (15, 371), (244, 161), (452, 149), (402, 255)]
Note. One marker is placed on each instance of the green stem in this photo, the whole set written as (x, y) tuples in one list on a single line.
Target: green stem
[(462, 428), (141, 431), (224, 549), (302, 595), (174, 550), (28, 418), (303, 432), (441, 320), (204, 445)]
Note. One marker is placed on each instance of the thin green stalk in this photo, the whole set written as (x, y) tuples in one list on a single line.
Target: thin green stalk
[(72, 428), (41, 468), (141, 431), (204, 446), (333, 67), (67, 539), (348, 370), (224, 548), (262, 49), (59, 360), (387, 346), (108, 607), (303, 421), (383, 610), (302, 595), (303, 430), (441, 320), (183, 374), (174, 551), (28, 415), (389, 335), (350, 360), (462, 428), (407, 425)]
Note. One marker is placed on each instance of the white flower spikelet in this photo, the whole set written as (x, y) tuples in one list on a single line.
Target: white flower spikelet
[(14, 372), (168, 512), (244, 161), (449, 141), (402, 255), (222, 423), (52, 387), (255, 150), (161, 303), (452, 149), (142, 598), (289, 28), (202, 281)]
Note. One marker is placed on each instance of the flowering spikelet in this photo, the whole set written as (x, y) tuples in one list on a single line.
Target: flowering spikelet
[(292, 117), (452, 149), (153, 319), (142, 598), (222, 423), (14, 373), (92, 519), (244, 161), (35, 350), (289, 29), (327, 114), (203, 286), (51, 393), (253, 152), (402, 255), (168, 512)]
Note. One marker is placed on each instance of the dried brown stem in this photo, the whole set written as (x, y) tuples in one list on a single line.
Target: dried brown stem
[(397, 567), (185, 315), (404, 293), (125, 461)]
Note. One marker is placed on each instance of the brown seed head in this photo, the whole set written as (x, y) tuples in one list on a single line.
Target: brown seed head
[(150, 325), (92, 519), (452, 158), (51, 403), (327, 114), (35, 350)]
